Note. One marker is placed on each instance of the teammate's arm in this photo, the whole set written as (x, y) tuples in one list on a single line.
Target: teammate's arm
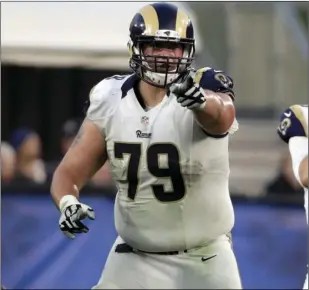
[(298, 147), (303, 172), (293, 129), (86, 155)]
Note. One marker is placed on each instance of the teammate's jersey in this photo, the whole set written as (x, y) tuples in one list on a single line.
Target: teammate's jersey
[(294, 122), (172, 177)]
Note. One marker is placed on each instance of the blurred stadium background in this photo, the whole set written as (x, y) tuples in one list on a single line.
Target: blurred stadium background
[(54, 53)]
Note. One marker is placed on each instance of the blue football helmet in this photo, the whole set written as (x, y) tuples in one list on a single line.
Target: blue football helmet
[(161, 25)]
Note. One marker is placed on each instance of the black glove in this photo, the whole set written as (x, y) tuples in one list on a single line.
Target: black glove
[(189, 94), (72, 212)]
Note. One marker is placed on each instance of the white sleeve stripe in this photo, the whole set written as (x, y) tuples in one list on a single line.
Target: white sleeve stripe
[(298, 147)]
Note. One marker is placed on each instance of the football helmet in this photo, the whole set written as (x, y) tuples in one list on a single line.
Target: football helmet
[(161, 25)]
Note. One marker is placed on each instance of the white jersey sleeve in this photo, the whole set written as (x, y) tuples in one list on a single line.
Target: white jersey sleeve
[(298, 147), (103, 102)]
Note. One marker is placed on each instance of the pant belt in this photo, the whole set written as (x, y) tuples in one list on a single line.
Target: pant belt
[(125, 248)]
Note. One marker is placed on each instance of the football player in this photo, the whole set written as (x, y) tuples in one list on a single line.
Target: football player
[(293, 129), (164, 130)]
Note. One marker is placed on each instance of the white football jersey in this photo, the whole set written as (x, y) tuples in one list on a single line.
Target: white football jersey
[(172, 177)]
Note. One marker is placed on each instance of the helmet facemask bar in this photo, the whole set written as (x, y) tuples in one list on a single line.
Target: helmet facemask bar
[(158, 70)]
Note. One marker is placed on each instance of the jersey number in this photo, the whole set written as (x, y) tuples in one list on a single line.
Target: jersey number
[(172, 171)]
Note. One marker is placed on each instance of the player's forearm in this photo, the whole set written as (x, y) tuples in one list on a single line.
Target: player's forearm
[(63, 183), (217, 116)]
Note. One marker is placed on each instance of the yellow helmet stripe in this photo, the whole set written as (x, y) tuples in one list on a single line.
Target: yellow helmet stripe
[(182, 20), (198, 75), (151, 19)]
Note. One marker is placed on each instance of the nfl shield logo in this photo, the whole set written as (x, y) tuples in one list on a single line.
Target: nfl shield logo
[(145, 120)]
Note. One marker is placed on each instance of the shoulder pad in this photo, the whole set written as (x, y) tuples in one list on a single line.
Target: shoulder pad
[(112, 83), (215, 80), (103, 97), (293, 122)]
